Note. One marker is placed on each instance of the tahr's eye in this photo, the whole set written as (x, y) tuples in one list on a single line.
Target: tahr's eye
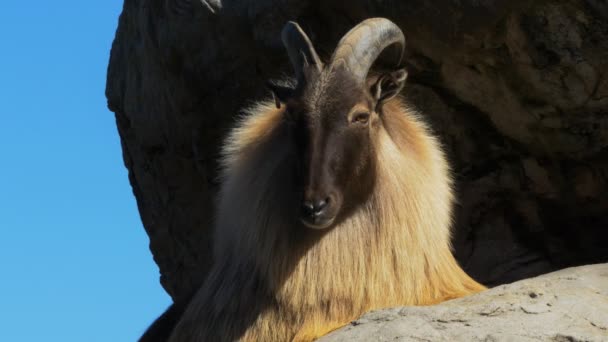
[(360, 118)]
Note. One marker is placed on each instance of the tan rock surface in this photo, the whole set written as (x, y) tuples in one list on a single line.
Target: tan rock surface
[(568, 305)]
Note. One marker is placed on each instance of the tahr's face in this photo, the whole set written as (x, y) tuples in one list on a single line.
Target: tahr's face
[(333, 115), (334, 128)]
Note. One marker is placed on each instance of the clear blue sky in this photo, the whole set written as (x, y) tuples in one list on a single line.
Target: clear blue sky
[(74, 257)]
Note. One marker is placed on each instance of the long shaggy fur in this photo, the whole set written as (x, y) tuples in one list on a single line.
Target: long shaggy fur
[(272, 282)]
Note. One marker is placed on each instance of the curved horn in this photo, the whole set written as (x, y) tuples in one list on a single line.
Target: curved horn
[(362, 45), (299, 48)]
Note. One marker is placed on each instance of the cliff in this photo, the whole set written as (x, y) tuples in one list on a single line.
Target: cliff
[(516, 90)]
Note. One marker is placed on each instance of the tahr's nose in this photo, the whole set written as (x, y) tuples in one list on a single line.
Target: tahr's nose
[(315, 207)]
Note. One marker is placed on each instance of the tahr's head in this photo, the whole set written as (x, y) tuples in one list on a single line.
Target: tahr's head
[(334, 113)]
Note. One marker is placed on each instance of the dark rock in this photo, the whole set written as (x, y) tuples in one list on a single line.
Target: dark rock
[(516, 90)]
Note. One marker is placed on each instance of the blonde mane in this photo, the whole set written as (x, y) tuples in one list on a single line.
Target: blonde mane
[(393, 250)]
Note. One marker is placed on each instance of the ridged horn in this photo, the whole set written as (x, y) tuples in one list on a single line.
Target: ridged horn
[(362, 45), (300, 49)]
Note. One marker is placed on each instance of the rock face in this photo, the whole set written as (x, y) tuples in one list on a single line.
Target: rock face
[(569, 305), (516, 90)]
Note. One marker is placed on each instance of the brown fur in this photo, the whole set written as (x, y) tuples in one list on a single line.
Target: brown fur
[(276, 283)]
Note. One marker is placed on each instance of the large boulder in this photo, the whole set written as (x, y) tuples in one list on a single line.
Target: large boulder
[(516, 90), (565, 306)]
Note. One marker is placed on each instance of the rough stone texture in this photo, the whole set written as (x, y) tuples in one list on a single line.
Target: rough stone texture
[(566, 306), (516, 90)]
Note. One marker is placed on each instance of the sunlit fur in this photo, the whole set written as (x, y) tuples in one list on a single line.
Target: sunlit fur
[(273, 282)]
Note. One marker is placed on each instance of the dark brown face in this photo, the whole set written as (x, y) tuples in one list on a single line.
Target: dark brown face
[(334, 123), (335, 112)]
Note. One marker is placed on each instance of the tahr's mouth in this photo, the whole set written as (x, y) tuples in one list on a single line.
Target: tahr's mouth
[(318, 223)]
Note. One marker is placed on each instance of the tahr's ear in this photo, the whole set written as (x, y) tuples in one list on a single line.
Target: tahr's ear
[(280, 93), (388, 86)]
